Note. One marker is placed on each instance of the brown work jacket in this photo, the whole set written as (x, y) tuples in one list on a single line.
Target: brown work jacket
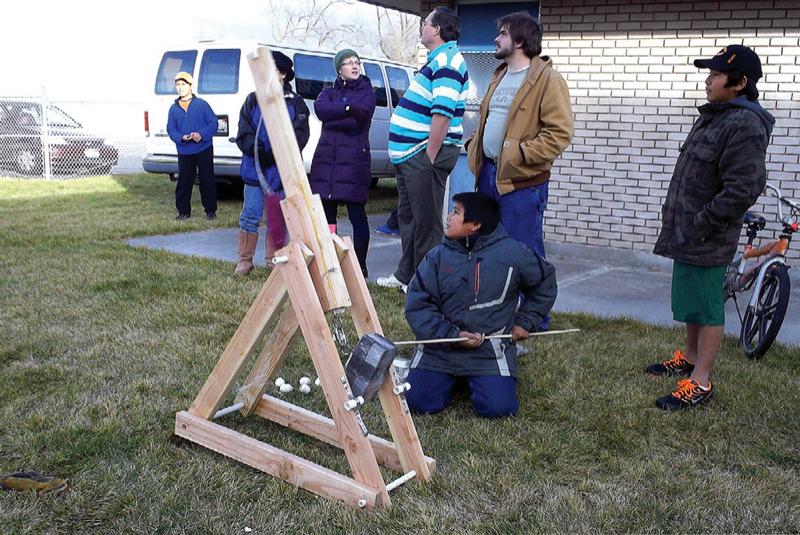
[(538, 129)]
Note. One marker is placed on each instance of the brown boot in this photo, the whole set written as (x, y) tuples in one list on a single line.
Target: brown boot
[(246, 249)]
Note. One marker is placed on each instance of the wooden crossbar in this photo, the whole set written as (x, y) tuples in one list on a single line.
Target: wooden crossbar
[(324, 429)]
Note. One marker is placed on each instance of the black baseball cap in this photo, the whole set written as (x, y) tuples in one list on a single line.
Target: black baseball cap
[(738, 57)]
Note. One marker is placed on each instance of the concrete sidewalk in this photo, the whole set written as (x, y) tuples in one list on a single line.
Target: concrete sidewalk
[(605, 282)]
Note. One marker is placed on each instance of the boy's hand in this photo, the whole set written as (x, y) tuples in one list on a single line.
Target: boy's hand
[(518, 333), (474, 340), (196, 137)]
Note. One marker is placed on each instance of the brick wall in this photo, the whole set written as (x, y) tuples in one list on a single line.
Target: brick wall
[(634, 94)]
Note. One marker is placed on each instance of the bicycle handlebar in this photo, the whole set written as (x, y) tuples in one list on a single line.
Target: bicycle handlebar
[(780, 199)]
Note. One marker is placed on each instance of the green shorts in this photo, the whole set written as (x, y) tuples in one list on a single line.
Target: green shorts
[(697, 295)]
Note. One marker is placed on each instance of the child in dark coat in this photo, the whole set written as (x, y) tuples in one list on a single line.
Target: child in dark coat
[(719, 174), (469, 287)]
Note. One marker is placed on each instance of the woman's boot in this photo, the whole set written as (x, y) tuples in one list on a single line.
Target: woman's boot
[(246, 250)]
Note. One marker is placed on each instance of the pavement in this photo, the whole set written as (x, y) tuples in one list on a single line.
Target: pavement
[(605, 282)]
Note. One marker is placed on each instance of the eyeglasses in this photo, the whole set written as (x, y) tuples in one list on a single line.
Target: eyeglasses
[(352, 63)]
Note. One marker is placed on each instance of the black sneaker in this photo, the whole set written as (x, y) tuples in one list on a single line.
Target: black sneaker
[(688, 394), (211, 216), (182, 217), (677, 365)]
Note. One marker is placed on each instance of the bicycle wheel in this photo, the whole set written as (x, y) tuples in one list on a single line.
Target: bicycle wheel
[(761, 323)]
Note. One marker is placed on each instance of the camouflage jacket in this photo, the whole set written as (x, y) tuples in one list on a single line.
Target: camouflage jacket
[(718, 176)]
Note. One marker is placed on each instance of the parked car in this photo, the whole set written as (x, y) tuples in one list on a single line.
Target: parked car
[(71, 148), (222, 77)]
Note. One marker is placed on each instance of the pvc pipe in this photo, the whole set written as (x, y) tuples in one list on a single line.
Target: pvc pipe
[(400, 480), (233, 408)]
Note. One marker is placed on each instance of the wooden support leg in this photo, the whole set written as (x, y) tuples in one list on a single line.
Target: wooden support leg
[(395, 407), (268, 361), (241, 347), (279, 463), (325, 356)]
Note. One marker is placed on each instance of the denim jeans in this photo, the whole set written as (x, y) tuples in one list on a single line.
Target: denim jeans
[(253, 208), (521, 212)]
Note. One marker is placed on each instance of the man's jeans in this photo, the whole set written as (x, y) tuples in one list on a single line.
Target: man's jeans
[(521, 212), (420, 187)]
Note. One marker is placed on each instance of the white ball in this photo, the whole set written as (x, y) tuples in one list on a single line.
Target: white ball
[(305, 380), (285, 388), (279, 382), (316, 381), (305, 389)]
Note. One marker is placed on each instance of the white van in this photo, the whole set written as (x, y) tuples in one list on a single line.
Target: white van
[(222, 78)]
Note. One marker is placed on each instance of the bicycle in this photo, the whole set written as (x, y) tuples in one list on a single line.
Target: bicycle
[(769, 279)]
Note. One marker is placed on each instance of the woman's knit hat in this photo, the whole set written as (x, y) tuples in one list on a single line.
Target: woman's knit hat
[(341, 56)]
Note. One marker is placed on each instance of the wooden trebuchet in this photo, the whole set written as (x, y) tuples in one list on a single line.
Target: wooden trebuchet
[(317, 272)]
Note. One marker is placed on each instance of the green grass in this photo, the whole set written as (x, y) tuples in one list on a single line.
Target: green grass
[(101, 343)]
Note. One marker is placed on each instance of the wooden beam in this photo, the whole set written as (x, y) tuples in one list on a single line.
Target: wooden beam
[(365, 319), (329, 368), (271, 100), (274, 461), (240, 347), (308, 223), (324, 429), (305, 220), (268, 361)]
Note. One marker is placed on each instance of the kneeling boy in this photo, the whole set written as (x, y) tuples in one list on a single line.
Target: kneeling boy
[(470, 286)]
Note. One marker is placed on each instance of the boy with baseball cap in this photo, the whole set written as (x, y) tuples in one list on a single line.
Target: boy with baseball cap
[(191, 125), (718, 176)]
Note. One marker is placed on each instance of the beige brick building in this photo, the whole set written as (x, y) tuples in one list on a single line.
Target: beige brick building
[(628, 64)]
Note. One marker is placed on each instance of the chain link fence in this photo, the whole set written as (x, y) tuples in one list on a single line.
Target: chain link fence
[(69, 139)]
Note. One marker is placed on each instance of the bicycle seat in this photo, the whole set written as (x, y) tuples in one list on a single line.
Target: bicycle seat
[(754, 221)]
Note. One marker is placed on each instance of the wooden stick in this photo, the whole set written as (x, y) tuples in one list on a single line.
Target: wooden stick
[(490, 337)]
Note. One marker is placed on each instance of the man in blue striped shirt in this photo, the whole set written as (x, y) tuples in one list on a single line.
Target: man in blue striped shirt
[(424, 141)]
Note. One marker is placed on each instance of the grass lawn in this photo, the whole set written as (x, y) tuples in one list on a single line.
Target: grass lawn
[(101, 343)]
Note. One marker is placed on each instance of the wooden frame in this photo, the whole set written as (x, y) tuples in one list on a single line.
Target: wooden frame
[(319, 272)]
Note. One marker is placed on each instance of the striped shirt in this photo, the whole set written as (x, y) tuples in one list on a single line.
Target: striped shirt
[(439, 87)]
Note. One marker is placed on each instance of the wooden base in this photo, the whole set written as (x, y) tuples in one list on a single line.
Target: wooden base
[(274, 461)]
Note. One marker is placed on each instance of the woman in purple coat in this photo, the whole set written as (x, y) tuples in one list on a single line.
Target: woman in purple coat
[(340, 170)]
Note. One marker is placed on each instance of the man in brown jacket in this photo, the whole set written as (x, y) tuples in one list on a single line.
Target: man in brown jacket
[(525, 124)]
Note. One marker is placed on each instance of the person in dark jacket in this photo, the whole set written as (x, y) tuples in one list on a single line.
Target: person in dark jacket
[(191, 125), (262, 182), (720, 173), (469, 287), (340, 170)]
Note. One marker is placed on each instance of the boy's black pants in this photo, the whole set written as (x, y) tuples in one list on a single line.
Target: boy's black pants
[(188, 167)]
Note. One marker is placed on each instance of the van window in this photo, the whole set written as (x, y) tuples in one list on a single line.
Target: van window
[(172, 63), (398, 83), (219, 71), (373, 72), (313, 74)]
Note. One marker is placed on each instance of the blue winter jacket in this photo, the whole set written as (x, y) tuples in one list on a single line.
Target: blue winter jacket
[(249, 117), (455, 290), (199, 117)]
